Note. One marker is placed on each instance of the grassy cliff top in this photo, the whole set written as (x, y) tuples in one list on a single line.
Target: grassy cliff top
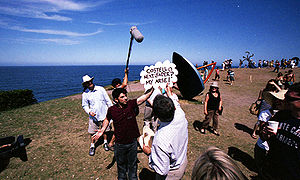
[(60, 141)]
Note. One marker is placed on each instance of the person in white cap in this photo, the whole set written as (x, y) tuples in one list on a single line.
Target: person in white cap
[(95, 103), (212, 108)]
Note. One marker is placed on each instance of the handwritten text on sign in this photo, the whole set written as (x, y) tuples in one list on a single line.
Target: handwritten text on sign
[(159, 75)]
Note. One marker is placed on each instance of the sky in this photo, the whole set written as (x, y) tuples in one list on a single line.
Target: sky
[(96, 32)]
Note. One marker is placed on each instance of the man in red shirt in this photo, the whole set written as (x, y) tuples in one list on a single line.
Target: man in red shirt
[(126, 131)]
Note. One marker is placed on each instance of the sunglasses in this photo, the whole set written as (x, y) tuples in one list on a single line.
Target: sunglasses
[(87, 83)]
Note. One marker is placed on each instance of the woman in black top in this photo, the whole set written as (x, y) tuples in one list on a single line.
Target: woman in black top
[(212, 106)]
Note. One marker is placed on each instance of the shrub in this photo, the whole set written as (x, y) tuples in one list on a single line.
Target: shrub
[(16, 99)]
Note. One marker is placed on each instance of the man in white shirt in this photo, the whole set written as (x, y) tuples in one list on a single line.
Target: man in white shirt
[(168, 156), (95, 102)]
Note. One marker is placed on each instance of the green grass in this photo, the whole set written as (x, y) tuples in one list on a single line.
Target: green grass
[(60, 142)]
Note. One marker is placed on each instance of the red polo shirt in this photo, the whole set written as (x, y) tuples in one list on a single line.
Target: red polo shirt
[(126, 128)]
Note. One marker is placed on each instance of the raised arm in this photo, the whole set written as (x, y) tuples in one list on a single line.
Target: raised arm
[(125, 79), (169, 91), (145, 96), (277, 87)]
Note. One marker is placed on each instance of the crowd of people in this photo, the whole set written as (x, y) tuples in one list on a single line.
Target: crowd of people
[(165, 120), (276, 64), (162, 105), (227, 64)]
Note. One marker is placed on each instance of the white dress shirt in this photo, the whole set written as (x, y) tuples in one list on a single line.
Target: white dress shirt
[(169, 148), (96, 101)]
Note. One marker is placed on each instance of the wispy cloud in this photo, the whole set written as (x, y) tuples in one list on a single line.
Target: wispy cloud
[(42, 8), (32, 13), (55, 32), (59, 41), (139, 23), (123, 23), (101, 23), (6, 25), (57, 10), (74, 6)]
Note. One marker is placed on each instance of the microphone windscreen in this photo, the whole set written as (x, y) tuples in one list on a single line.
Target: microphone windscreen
[(136, 34)]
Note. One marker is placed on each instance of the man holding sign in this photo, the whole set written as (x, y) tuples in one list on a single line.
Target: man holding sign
[(159, 76), (168, 154)]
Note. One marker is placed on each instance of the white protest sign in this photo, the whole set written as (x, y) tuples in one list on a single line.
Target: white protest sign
[(159, 75)]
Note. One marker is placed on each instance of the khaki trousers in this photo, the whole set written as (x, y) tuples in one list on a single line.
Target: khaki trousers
[(212, 114)]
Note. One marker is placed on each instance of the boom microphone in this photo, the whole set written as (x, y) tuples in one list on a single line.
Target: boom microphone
[(136, 34)]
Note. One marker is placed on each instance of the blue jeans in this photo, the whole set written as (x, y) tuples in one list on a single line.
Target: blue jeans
[(126, 157)]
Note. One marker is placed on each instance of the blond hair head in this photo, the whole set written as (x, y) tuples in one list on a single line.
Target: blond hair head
[(214, 164)]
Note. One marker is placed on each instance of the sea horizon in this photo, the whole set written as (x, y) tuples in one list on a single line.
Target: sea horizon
[(51, 82), (56, 81)]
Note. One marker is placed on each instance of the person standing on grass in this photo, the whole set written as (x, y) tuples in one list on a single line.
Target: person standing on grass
[(205, 73), (116, 83), (126, 132), (95, 103), (168, 154), (212, 106), (277, 66), (241, 63), (289, 79), (264, 97), (231, 76), (217, 75), (279, 80), (228, 75), (261, 148), (283, 158)]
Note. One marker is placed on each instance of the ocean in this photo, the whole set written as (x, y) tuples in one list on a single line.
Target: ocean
[(51, 82)]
